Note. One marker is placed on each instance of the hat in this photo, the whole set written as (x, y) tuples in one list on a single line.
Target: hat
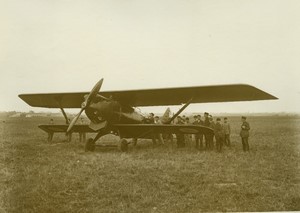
[(243, 117), (205, 113), (195, 116), (218, 119)]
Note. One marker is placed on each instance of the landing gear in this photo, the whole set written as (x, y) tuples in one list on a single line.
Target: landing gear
[(50, 136), (90, 145), (123, 145)]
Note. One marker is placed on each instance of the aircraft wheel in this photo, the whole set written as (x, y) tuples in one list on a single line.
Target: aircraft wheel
[(123, 145), (89, 145)]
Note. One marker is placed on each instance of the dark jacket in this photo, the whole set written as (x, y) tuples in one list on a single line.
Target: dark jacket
[(219, 131), (198, 122), (206, 122), (245, 127)]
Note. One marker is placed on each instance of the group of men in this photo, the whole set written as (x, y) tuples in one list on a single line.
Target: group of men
[(206, 141), (221, 133)]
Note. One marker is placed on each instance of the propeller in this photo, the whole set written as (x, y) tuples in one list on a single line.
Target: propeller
[(86, 103)]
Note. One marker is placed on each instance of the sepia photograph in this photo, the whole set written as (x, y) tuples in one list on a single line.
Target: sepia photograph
[(149, 106)]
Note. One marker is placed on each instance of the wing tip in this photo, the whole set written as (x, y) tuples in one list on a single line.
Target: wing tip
[(268, 95)]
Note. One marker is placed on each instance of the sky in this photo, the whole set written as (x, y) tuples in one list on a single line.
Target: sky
[(68, 45)]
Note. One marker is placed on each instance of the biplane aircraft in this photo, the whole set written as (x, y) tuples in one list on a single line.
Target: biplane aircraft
[(115, 111)]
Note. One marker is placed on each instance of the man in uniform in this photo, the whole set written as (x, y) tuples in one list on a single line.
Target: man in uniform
[(244, 133), (159, 135), (227, 130), (180, 137), (187, 137), (211, 135), (219, 134), (199, 136), (206, 123), (150, 120)]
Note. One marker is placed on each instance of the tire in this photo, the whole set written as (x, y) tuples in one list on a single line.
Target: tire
[(123, 145)]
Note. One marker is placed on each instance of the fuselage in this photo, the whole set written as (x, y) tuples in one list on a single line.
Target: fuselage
[(113, 112)]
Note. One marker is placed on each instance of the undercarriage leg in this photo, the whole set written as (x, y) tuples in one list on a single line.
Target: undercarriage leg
[(123, 145), (50, 136), (69, 137), (90, 143), (82, 136)]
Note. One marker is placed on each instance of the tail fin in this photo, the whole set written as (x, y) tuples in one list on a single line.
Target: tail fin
[(166, 117)]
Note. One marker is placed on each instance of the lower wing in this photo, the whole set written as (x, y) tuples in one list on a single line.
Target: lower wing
[(147, 130), (63, 128)]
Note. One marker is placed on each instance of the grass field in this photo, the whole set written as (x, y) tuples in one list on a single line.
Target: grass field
[(37, 176)]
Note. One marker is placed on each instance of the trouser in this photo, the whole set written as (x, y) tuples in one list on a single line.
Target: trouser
[(180, 140), (134, 141), (219, 143), (188, 139), (209, 141), (159, 137), (245, 144), (206, 141), (168, 137), (212, 142), (227, 140), (199, 138)]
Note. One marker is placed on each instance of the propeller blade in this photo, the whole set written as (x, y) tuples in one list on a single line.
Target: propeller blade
[(86, 103), (94, 92), (73, 122)]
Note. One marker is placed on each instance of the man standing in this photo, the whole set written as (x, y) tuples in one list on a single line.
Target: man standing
[(159, 135), (245, 127), (227, 130), (211, 135), (151, 118), (206, 123), (180, 137), (187, 137), (219, 134), (199, 136)]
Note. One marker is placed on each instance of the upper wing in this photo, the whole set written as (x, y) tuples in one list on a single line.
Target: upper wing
[(147, 130), (155, 97)]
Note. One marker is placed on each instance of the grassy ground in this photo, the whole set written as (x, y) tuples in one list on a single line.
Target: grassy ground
[(36, 176)]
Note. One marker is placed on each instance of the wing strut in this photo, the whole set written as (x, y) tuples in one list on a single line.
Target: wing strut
[(180, 111), (58, 101), (65, 115)]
